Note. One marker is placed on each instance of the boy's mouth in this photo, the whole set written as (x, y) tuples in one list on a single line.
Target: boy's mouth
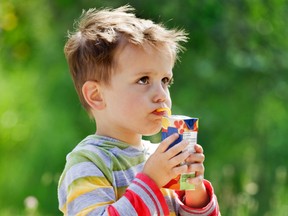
[(163, 111)]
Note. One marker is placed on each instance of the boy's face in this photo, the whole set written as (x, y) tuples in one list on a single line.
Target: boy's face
[(139, 86)]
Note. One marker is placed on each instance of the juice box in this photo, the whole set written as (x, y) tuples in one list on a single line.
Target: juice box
[(187, 128)]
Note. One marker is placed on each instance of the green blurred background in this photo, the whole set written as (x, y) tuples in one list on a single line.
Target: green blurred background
[(233, 76)]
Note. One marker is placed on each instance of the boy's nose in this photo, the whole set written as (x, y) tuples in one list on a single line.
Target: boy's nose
[(160, 94)]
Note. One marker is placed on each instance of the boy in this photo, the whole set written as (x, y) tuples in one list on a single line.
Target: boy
[(122, 68)]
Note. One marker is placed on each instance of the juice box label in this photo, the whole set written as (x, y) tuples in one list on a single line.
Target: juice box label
[(187, 128)]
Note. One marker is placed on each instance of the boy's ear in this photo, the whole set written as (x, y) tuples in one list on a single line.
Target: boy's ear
[(92, 93)]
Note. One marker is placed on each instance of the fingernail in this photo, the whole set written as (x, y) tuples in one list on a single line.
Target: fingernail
[(185, 141)]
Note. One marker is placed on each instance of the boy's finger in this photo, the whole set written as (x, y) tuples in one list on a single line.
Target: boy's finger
[(176, 149), (166, 142), (198, 148), (195, 158), (197, 180), (178, 159), (197, 167), (179, 170)]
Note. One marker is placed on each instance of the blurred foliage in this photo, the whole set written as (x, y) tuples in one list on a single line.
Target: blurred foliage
[(233, 76)]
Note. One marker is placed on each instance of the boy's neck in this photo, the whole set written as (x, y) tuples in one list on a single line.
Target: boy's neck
[(135, 140)]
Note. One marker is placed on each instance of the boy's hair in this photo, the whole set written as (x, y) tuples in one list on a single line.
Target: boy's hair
[(100, 33)]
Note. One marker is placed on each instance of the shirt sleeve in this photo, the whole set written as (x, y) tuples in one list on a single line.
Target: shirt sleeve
[(211, 209), (143, 197), (90, 195)]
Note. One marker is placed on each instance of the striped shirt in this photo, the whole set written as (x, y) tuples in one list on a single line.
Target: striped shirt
[(103, 176)]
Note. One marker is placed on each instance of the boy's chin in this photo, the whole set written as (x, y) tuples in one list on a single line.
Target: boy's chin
[(152, 132)]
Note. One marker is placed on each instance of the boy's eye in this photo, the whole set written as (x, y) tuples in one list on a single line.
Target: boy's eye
[(167, 81), (144, 80)]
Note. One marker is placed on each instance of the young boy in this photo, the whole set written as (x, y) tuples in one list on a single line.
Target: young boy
[(122, 68)]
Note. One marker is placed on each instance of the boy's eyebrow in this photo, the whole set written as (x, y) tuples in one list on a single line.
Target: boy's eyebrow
[(146, 73)]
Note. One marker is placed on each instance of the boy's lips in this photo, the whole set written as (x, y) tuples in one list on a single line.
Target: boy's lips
[(162, 112)]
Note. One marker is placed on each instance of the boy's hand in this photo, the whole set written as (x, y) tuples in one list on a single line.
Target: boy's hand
[(163, 165), (195, 161), (197, 198)]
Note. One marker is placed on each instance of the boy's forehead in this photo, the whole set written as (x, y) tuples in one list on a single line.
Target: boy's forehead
[(135, 60), (130, 51)]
